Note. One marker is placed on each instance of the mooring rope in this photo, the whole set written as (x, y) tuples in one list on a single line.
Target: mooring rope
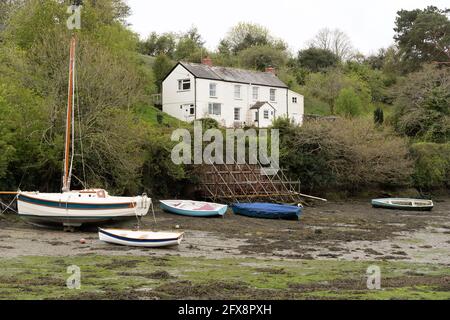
[(139, 218)]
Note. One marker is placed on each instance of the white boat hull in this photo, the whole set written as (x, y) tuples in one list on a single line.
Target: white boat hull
[(403, 204), (145, 239), (194, 208), (77, 208)]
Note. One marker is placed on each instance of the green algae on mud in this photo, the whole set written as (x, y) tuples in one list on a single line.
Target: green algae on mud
[(128, 277)]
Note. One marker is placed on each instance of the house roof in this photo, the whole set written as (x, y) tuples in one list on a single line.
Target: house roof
[(259, 105), (203, 71)]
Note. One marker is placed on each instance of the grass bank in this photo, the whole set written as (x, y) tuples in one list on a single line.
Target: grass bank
[(125, 277)]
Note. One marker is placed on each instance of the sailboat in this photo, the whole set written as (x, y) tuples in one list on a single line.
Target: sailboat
[(75, 208)]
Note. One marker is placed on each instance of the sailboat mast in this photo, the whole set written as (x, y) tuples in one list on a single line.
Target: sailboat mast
[(71, 94)]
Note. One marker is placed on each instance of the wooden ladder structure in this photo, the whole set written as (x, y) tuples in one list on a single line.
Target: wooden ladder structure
[(239, 183)]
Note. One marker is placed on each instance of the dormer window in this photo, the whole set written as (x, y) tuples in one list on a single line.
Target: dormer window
[(184, 85)]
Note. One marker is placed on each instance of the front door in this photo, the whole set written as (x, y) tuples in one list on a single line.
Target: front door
[(189, 112)]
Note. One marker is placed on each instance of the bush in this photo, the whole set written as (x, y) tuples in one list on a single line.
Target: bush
[(348, 155), (432, 169), (348, 104), (314, 106), (160, 176), (159, 118), (209, 123), (378, 116)]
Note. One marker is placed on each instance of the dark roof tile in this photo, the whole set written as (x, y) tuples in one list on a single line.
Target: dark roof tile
[(234, 75)]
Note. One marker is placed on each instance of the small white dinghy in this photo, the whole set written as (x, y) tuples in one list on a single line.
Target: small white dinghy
[(140, 238), (403, 204), (194, 208)]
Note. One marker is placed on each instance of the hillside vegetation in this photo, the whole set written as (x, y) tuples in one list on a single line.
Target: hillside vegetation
[(393, 108)]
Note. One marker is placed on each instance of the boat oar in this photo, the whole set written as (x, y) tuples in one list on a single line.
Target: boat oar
[(311, 197)]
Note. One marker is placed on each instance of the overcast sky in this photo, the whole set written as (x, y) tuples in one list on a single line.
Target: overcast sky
[(369, 23)]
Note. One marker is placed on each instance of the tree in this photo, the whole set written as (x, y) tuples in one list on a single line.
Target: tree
[(194, 35), (189, 50), (335, 41), (348, 104), (184, 46), (423, 36), (261, 57), (423, 105), (377, 61), (316, 60), (156, 44), (33, 83), (375, 80), (161, 67), (327, 87), (246, 35)]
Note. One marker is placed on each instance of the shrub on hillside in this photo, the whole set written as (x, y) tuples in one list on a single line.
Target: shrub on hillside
[(344, 155), (348, 104), (432, 169)]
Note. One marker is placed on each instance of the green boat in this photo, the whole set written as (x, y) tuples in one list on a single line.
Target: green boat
[(403, 204)]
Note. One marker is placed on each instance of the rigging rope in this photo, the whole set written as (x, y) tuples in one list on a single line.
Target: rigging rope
[(139, 218), (73, 121), (84, 183)]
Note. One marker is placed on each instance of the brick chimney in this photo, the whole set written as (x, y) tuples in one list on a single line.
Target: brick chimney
[(271, 70), (207, 61)]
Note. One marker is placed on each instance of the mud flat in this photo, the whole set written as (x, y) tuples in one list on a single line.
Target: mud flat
[(325, 256)]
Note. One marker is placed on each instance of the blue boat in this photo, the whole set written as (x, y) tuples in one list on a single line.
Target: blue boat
[(268, 211), (194, 208)]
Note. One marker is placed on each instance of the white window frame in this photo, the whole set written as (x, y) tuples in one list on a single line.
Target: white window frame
[(266, 114), (182, 83), (215, 109), (255, 93), (238, 92), (273, 95), (213, 90), (294, 100), (237, 112)]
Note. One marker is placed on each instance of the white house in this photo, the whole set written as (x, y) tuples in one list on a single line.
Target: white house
[(233, 97)]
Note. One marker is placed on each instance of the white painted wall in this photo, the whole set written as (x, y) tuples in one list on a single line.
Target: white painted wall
[(260, 115), (296, 110), (176, 103)]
